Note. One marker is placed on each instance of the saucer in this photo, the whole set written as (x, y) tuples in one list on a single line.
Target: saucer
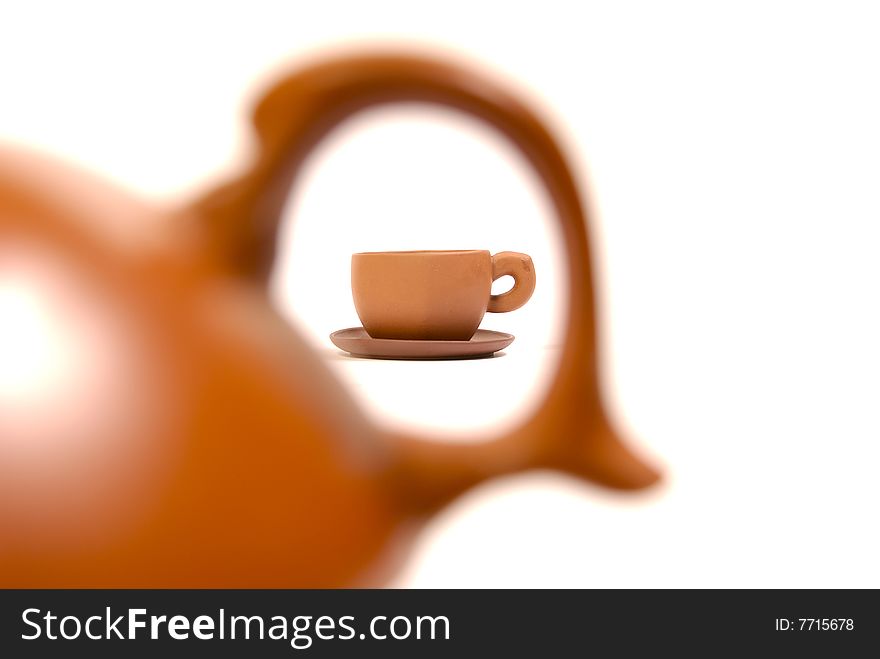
[(483, 343)]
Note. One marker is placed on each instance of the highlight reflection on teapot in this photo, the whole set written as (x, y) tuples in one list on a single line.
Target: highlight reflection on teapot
[(161, 425)]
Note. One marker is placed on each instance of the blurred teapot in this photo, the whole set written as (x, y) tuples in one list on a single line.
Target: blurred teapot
[(161, 425)]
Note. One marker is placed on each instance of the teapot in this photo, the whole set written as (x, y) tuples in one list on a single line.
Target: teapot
[(161, 424)]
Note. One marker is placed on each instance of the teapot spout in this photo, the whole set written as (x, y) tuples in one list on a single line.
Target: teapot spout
[(429, 474)]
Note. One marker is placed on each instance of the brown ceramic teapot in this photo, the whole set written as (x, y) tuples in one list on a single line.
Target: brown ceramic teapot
[(189, 437)]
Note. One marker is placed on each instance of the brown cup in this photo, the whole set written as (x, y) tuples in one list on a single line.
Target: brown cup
[(435, 295)]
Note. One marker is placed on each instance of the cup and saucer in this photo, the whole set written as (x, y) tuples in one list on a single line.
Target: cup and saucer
[(429, 304)]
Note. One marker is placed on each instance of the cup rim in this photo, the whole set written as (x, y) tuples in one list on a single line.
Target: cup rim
[(438, 252)]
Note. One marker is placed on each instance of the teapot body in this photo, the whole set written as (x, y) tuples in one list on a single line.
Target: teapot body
[(162, 426), (178, 431)]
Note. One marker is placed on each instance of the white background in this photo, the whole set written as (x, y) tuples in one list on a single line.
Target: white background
[(733, 158)]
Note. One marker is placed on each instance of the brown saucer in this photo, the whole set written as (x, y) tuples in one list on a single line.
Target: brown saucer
[(483, 343)]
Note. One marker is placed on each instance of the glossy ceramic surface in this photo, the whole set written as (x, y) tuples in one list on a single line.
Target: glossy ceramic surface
[(198, 440)]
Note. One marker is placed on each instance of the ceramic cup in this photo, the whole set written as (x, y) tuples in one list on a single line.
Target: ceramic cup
[(435, 295)]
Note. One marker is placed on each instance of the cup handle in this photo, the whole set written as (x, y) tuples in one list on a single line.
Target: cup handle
[(520, 267)]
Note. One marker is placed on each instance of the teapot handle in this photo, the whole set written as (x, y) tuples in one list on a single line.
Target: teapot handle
[(570, 431)]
